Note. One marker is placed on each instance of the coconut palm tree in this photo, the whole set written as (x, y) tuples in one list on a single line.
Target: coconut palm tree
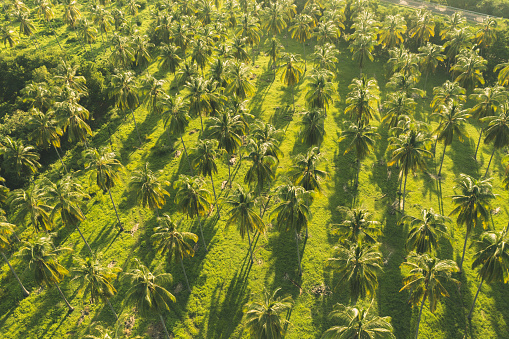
[(267, 135), (103, 19), (486, 35), (30, 207), (320, 90), (170, 57), (169, 241), (42, 259), (473, 205), (361, 140), (362, 47), (429, 57), (87, 32), (426, 280), (489, 100), (19, 159), (238, 83), (357, 322), (264, 318), (326, 57), (201, 52), (363, 100), (451, 23), (493, 259), (358, 266), (452, 119), (73, 116), (393, 29), (356, 226), (468, 68), (149, 189), (152, 92), (425, 231), (204, 161), (125, 91), (305, 170), (198, 97), (497, 132), (447, 93), (502, 69), (106, 169), (141, 47), (45, 131), (8, 36), (71, 13), (192, 199), (292, 213), (263, 165), (408, 152), (397, 107), (291, 73), (327, 32), (424, 27), (67, 78), (301, 31), (6, 230), (122, 54), (457, 40), (243, 215), (147, 293), (238, 50), (312, 132), (274, 51), (274, 18), (96, 279)]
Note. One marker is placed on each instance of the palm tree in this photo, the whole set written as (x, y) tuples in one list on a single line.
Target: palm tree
[(201, 53), (8, 36), (424, 27), (103, 19), (326, 57), (238, 83), (244, 216), (429, 57), (66, 197), (147, 293), (393, 29), (452, 119), (169, 56), (453, 22), (192, 199), (357, 226), (425, 230), (274, 51), (473, 205), (327, 32), (45, 131), (124, 89), (313, 127), (486, 35), (18, 158), (67, 78), (468, 68), (488, 99), (149, 189), (87, 32), (502, 69), (301, 30), (493, 259), (96, 279), (204, 161), (305, 173), (291, 74), (152, 92), (198, 97), (274, 18), (30, 207), (320, 90), (358, 323), (293, 212), (71, 13), (44, 10), (358, 266), (41, 257), (141, 47), (238, 50), (397, 107), (73, 117), (6, 230), (264, 318), (26, 26), (267, 135), (426, 280), (408, 151), (362, 47), (361, 140), (447, 93), (168, 240), (458, 39), (122, 54), (106, 172), (263, 165), (363, 100), (497, 132)]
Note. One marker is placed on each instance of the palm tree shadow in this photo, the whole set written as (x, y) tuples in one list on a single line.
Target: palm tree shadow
[(282, 117)]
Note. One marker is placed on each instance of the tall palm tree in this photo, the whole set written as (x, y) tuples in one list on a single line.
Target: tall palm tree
[(168, 240), (486, 35), (274, 51), (357, 226), (8, 36), (361, 140), (204, 161), (291, 73), (141, 47), (452, 120), (147, 293), (30, 207), (18, 158), (424, 27), (198, 97), (358, 266), (312, 131), (425, 231), (397, 107), (152, 92), (170, 57), (326, 57), (243, 215), (447, 93), (73, 116), (362, 47), (192, 199), (292, 213), (305, 170), (426, 280), (125, 91), (96, 279), (451, 23), (357, 322), (468, 68), (393, 29), (493, 259), (103, 19), (267, 135), (42, 259), (45, 130), (71, 13), (320, 90), (274, 18), (327, 32), (502, 69), (87, 32), (429, 58), (149, 189), (458, 39), (201, 53), (408, 151), (363, 100), (263, 165), (264, 318), (122, 54), (6, 230), (238, 83), (497, 132), (301, 30), (473, 205), (106, 170)]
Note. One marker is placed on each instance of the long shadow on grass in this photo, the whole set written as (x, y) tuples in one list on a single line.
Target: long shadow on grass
[(461, 155)]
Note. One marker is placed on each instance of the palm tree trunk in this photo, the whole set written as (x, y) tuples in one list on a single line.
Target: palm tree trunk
[(136, 127), (425, 83), (201, 122), (201, 232), (475, 299), (478, 143), (298, 252), (229, 174), (63, 297), (187, 155), (164, 326), (112, 309), (463, 255), (23, 289), (60, 158), (419, 319), (185, 275), (404, 193), (304, 55), (116, 212), (357, 174), (250, 249), (56, 36), (442, 161), (85, 240), (215, 196), (293, 99), (489, 163)]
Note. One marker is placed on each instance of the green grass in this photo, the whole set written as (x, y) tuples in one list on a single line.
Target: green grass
[(222, 280)]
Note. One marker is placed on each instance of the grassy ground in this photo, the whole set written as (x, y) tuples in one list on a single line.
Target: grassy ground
[(222, 280)]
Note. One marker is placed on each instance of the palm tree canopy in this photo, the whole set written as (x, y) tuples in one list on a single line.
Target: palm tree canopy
[(243, 213), (149, 189), (106, 168), (425, 230), (31, 206), (191, 198), (361, 138), (452, 123), (313, 127), (18, 158), (171, 242), (305, 170), (356, 226), (292, 213), (492, 257), (498, 129), (409, 151), (363, 99), (205, 153)]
